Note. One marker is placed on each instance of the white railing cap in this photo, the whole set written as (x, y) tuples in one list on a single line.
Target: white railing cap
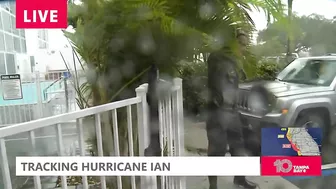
[(62, 118), (142, 88)]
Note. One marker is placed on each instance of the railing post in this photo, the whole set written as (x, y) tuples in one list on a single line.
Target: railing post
[(66, 93), (5, 165), (39, 102), (81, 143), (31, 137), (180, 116), (144, 133), (180, 126), (142, 115)]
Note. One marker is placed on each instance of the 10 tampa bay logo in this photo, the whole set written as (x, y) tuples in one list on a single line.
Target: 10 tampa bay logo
[(286, 166)]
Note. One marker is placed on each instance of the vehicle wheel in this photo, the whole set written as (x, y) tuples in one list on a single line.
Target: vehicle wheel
[(315, 120), (311, 120)]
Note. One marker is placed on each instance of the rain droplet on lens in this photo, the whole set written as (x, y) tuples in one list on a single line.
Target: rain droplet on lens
[(206, 11), (145, 43)]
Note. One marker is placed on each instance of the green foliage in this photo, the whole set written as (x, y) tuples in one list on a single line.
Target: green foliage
[(195, 78), (118, 40), (267, 70), (272, 47), (249, 62), (123, 37), (194, 75), (312, 33)]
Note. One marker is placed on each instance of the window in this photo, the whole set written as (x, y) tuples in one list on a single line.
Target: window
[(23, 46), (42, 34), (42, 44), (22, 33), (12, 7), (32, 63), (13, 26), (2, 64), (46, 35), (17, 46), (39, 34), (10, 61), (9, 6), (6, 21), (313, 72), (9, 43), (6, 6), (1, 27), (2, 42)]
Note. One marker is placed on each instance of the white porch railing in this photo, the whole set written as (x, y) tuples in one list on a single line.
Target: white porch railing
[(171, 129)]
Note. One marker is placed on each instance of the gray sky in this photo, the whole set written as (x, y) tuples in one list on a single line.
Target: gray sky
[(302, 7)]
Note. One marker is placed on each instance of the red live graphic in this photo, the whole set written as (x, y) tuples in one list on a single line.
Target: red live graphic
[(291, 166), (41, 14)]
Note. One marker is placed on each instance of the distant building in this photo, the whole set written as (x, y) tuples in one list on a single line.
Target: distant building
[(31, 50), (13, 49), (19, 47), (37, 49)]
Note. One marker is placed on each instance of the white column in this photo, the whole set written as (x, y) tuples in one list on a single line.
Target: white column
[(147, 182)]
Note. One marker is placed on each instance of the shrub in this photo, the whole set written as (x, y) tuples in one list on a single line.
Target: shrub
[(267, 70), (194, 75)]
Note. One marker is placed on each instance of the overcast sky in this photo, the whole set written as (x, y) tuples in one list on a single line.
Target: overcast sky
[(302, 7)]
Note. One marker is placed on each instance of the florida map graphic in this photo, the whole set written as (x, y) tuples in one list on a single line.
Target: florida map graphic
[(291, 141)]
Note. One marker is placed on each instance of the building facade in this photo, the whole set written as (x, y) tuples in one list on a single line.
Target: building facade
[(12, 40), (30, 50), (18, 47)]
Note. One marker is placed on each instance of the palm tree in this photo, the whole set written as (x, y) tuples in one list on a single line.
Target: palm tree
[(290, 11), (119, 40)]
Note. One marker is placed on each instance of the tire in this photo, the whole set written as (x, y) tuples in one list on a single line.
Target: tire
[(315, 120), (311, 120)]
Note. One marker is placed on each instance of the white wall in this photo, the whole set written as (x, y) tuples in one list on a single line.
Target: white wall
[(23, 65), (31, 41), (50, 59), (33, 50), (57, 63), (60, 44)]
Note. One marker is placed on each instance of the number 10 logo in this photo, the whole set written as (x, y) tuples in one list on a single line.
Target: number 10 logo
[(280, 168)]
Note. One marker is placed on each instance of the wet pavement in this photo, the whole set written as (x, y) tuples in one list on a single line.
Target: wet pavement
[(326, 182)]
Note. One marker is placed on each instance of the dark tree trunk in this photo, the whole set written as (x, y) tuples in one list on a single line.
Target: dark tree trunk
[(152, 99), (289, 50)]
